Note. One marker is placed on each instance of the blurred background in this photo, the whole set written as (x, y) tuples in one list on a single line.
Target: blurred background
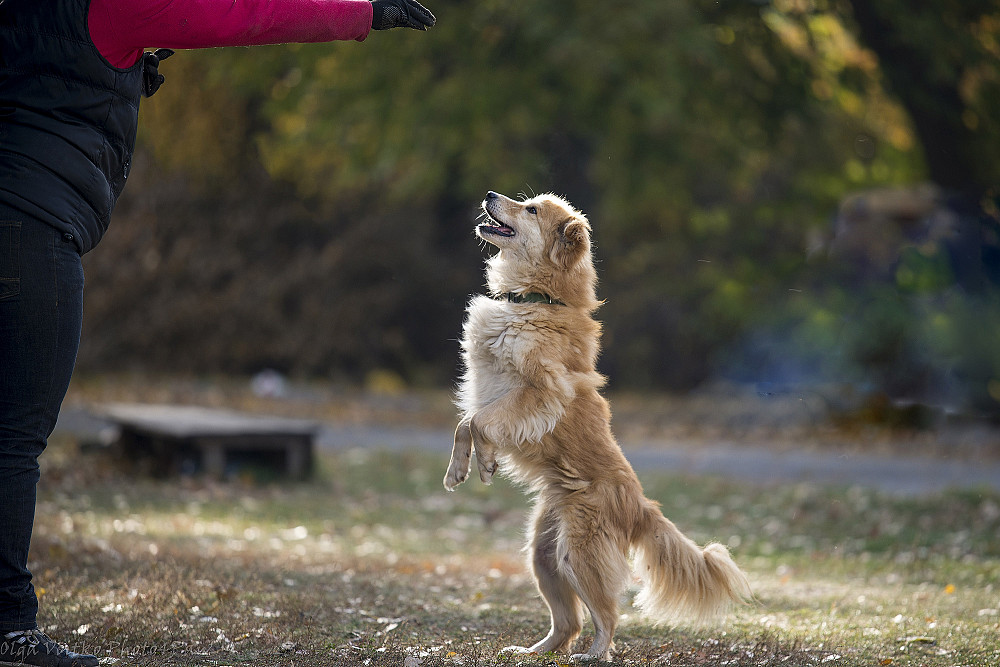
[(798, 196)]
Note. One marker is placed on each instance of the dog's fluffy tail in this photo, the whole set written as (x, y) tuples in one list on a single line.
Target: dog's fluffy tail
[(680, 579)]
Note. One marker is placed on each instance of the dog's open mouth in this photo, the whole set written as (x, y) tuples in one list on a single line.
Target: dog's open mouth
[(494, 226)]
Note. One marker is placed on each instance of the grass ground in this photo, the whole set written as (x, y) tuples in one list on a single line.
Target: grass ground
[(373, 563)]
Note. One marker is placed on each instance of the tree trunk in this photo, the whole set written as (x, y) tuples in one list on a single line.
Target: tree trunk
[(934, 103)]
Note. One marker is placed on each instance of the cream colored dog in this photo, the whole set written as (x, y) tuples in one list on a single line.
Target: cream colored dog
[(531, 408)]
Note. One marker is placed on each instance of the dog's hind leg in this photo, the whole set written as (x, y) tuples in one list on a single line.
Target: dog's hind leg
[(461, 457), (599, 572), (564, 604)]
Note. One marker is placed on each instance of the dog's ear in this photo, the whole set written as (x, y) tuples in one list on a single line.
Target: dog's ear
[(572, 243)]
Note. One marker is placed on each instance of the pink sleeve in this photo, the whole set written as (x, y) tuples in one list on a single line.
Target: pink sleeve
[(121, 29)]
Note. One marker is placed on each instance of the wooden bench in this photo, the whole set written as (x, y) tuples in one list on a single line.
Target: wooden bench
[(173, 440)]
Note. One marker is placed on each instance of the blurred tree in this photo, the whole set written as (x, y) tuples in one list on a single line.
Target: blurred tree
[(322, 197), (941, 59), (215, 266)]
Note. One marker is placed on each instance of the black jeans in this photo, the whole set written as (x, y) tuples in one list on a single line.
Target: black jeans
[(41, 312)]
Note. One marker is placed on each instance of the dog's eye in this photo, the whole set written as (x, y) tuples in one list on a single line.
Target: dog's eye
[(532, 210)]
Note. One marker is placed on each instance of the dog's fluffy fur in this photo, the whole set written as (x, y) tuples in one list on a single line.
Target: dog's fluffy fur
[(531, 408)]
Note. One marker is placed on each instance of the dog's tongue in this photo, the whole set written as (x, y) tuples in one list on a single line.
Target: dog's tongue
[(494, 227)]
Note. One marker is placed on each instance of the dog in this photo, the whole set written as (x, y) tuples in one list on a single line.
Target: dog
[(530, 406)]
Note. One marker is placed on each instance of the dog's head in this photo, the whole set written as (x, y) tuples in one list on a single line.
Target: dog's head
[(544, 247)]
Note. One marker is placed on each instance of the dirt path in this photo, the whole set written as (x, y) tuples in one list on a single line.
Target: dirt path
[(909, 476), (754, 463)]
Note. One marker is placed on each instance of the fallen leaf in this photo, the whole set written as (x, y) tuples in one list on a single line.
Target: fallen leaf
[(920, 640)]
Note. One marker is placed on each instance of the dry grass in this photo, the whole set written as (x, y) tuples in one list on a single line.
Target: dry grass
[(372, 563)]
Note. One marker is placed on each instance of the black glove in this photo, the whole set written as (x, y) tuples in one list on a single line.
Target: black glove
[(151, 77), (400, 14)]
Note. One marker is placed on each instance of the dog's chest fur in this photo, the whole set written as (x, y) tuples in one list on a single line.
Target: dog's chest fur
[(506, 346), (496, 335)]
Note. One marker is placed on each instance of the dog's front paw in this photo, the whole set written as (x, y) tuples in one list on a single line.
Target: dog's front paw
[(487, 468), (587, 658), (456, 474), (517, 650), (461, 457)]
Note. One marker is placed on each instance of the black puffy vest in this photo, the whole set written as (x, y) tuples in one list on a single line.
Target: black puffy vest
[(68, 118)]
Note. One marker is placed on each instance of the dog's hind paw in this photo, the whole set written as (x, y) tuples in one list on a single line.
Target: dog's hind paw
[(587, 658)]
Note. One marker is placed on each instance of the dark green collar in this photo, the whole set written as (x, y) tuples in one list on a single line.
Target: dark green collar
[(531, 297)]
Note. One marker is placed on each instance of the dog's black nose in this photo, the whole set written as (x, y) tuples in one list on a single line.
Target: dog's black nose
[(492, 195)]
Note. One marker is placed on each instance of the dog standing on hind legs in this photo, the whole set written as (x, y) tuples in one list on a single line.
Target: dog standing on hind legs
[(531, 408)]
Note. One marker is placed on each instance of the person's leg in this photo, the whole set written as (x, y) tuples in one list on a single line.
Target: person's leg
[(41, 310)]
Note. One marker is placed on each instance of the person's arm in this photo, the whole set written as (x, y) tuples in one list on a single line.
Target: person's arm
[(121, 29)]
